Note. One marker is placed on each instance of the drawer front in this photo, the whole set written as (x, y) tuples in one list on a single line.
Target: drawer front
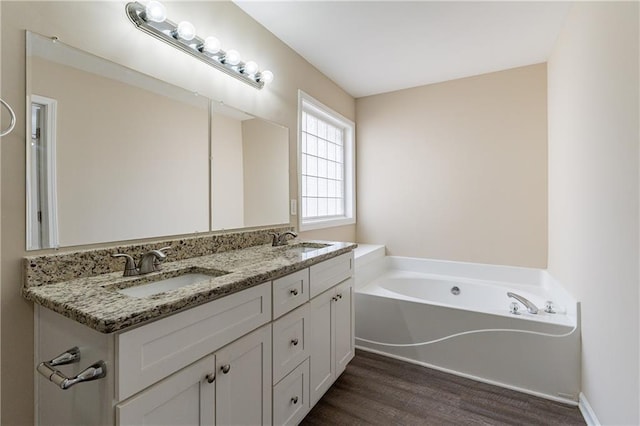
[(291, 397), (327, 274), (290, 292), (152, 352), (290, 341)]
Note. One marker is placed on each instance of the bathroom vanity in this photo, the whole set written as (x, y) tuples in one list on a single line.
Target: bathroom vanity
[(257, 342)]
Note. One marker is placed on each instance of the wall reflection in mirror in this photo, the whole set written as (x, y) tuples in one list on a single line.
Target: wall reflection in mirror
[(116, 155)]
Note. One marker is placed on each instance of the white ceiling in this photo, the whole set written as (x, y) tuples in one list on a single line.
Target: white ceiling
[(371, 47)]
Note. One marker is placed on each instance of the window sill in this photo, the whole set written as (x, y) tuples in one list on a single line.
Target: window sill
[(311, 225)]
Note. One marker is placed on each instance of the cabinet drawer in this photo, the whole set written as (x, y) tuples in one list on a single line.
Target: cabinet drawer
[(290, 341), (152, 352), (291, 398), (290, 292), (325, 275)]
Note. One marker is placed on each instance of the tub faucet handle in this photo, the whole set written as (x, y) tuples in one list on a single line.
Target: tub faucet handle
[(531, 308), (549, 307)]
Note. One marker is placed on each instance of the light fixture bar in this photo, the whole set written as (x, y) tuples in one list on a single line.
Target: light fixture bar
[(167, 31)]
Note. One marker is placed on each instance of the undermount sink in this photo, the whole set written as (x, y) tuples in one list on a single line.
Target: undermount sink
[(306, 247), (148, 289)]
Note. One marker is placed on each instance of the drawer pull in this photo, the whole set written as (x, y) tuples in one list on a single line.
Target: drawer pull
[(225, 368), (95, 371), (294, 342), (211, 377), (294, 399), (294, 292)]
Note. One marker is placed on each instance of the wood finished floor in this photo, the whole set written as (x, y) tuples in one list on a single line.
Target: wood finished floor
[(376, 390)]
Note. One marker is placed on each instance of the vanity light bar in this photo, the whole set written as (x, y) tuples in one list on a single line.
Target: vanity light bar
[(152, 20)]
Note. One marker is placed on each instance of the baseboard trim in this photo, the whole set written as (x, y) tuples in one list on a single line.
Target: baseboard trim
[(587, 412), (566, 401)]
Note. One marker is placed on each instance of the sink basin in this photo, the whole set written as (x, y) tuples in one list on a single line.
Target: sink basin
[(148, 289), (306, 247)]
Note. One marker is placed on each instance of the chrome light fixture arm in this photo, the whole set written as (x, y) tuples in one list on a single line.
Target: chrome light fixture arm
[(168, 31)]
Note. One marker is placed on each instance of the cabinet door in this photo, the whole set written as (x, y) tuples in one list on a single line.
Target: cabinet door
[(184, 398), (344, 339), (321, 360), (243, 382)]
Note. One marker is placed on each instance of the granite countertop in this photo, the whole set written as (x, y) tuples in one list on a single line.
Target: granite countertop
[(95, 302)]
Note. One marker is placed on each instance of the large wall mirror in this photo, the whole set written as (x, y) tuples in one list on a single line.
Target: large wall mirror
[(116, 155)]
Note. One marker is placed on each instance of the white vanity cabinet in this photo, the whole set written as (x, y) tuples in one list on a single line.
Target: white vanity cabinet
[(230, 387), (332, 337), (259, 356)]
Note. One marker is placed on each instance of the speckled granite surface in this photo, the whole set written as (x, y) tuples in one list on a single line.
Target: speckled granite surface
[(94, 301), (53, 268)]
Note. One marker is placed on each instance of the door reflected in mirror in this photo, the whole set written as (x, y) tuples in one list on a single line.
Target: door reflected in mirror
[(116, 155)]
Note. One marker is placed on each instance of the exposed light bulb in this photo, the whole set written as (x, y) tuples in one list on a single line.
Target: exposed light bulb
[(266, 76), (155, 11), (250, 67), (232, 57), (211, 45), (186, 31)]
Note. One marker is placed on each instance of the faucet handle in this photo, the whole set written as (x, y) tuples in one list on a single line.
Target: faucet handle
[(130, 265)]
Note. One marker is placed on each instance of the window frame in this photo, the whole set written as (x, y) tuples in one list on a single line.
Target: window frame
[(311, 105)]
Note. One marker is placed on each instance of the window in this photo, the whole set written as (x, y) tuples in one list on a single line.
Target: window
[(327, 166)]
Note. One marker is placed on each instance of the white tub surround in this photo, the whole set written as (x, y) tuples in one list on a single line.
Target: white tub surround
[(455, 317)]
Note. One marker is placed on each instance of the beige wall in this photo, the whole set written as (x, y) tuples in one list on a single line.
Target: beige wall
[(227, 181), (593, 196), (457, 170), (265, 173), (105, 31)]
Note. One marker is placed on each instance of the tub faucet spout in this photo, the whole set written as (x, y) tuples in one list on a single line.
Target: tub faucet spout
[(530, 306)]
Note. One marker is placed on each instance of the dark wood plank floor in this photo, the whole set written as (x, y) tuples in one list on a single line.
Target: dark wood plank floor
[(376, 390)]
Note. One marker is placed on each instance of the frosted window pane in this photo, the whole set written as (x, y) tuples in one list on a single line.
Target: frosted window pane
[(331, 133), (304, 142), (304, 207), (312, 206), (331, 207), (312, 124), (312, 145), (322, 187), (312, 187), (339, 154), (303, 166), (322, 167), (322, 206), (331, 151), (339, 134), (304, 121), (331, 169), (340, 206), (322, 148), (331, 188), (322, 129), (312, 166), (339, 171)]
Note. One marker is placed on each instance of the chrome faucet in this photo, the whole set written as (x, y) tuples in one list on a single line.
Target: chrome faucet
[(149, 262), (281, 239), (526, 302)]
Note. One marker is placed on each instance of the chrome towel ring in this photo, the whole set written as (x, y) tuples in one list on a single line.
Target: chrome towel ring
[(13, 119)]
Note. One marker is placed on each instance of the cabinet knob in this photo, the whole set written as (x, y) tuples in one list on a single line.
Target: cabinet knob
[(339, 296), (294, 341), (294, 292), (225, 368), (211, 377), (294, 399)]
